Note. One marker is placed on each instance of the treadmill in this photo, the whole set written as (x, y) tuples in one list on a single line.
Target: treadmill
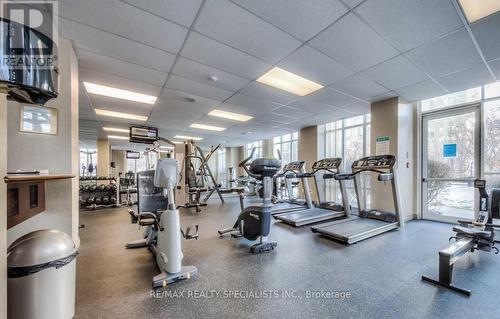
[(318, 214), (290, 171), (369, 222)]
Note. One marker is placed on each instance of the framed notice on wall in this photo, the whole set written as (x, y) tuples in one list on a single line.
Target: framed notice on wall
[(383, 144), (38, 119)]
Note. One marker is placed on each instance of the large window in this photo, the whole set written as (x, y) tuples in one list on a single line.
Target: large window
[(286, 147), (348, 139), (221, 167), (455, 195), (258, 149), (147, 161)]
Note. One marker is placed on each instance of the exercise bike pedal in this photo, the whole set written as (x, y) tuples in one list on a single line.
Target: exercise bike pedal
[(187, 235), (263, 247)]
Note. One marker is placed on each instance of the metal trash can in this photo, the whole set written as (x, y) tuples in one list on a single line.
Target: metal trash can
[(42, 276)]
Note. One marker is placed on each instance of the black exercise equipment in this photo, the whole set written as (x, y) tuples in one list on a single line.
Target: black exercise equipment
[(469, 237), (254, 222)]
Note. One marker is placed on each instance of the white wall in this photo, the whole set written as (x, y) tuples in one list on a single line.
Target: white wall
[(58, 154)]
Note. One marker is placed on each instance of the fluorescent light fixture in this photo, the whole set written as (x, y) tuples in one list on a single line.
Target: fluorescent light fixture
[(230, 115), (167, 147), (98, 89), (184, 137), (207, 127), (115, 129), (121, 115), (289, 82), (177, 142), (118, 137), (477, 9)]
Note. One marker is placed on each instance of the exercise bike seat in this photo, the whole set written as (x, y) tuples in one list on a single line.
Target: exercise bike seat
[(472, 232), (262, 166)]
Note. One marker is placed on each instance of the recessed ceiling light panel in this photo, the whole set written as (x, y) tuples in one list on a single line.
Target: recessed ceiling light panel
[(117, 137), (115, 129), (98, 89), (230, 115), (477, 9), (128, 116), (289, 82), (207, 127), (184, 137)]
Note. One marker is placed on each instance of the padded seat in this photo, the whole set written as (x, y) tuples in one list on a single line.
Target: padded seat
[(473, 232), (265, 165)]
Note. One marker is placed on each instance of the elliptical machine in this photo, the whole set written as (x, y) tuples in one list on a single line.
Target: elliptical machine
[(254, 222), (168, 252)]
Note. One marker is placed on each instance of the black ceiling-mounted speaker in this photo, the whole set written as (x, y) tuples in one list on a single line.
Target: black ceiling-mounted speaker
[(28, 65)]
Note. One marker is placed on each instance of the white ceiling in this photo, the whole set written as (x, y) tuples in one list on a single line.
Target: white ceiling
[(361, 51)]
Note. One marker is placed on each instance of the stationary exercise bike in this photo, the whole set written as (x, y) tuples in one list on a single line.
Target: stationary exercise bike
[(168, 244), (254, 222)]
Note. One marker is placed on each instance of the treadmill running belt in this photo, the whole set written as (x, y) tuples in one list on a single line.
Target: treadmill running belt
[(354, 230), (308, 216)]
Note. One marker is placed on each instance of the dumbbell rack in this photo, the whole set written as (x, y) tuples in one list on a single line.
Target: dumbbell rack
[(94, 189)]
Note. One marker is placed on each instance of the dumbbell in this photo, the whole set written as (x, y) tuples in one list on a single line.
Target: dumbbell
[(105, 200), (93, 188), (80, 188), (90, 200), (86, 188), (107, 188), (83, 202), (112, 188), (112, 200), (102, 188), (98, 201)]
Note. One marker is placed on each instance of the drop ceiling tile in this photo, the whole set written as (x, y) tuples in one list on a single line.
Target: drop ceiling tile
[(310, 106), (450, 54), (180, 96), (107, 44), (383, 97), (302, 19), (332, 97), (395, 73), (238, 28), (201, 73), (488, 36), (115, 16), (353, 3), (266, 92), (358, 108), (495, 67), (118, 82), (359, 86), (240, 103), (314, 65), (292, 111), (332, 116), (91, 61), (182, 84), (410, 23), (180, 11), (278, 118), (185, 112), (421, 91), (466, 79), (223, 57), (352, 43), (218, 121)]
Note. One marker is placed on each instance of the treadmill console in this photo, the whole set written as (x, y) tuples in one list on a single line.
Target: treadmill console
[(375, 162), (327, 164), (294, 166)]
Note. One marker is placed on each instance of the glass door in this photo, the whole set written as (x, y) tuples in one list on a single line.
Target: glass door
[(450, 163)]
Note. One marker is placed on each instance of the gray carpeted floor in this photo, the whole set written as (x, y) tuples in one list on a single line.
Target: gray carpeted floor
[(381, 274)]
